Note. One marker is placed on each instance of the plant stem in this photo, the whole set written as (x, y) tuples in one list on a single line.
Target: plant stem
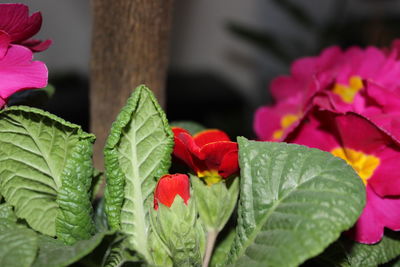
[(211, 237)]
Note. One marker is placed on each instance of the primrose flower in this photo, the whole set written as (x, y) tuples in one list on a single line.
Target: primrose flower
[(210, 153), (338, 80), (17, 70), (169, 186), (19, 26), (372, 153)]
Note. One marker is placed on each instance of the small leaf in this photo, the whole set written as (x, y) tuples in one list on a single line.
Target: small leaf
[(54, 253), (294, 202), (45, 170), (138, 150), (215, 203)]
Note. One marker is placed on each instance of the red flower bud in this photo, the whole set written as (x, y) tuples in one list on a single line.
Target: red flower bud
[(209, 153), (169, 186)]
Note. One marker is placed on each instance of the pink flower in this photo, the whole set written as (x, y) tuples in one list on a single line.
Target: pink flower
[(372, 153), (337, 80), (16, 22), (17, 70)]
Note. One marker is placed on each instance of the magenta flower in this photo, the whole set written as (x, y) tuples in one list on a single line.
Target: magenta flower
[(337, 80), (17, 70), (16, 22), (372, 153)]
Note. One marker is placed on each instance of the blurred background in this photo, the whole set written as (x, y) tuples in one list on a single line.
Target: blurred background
[(223, 53)]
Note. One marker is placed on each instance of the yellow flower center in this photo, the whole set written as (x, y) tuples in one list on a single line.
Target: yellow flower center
[(348, 93), (210, 176), (286, 122), (363, 164)]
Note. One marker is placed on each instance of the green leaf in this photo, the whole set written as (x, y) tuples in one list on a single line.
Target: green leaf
[(159, 252), (118, 254), (74, 220), (191, 126), (45, 170), (373, 255), (18, 244), (53, 253), (346, 252), (221, 252), (138, 150), (294, 202), (215, 203), (179, 229)]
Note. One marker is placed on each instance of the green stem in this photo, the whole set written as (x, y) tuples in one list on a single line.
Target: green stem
[(211, 237)]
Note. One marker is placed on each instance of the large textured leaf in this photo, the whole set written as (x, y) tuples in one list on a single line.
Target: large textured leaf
[(18, 244), (372, 255), (53, 253), (45, 172), (294, 202), (137, 152)]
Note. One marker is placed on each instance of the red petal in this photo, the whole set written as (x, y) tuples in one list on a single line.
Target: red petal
[(221, 156), (210, 136), (229, 164), (184, 147), (169, 186)]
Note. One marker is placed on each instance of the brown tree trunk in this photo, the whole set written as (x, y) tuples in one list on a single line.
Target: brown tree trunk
[(129, 47)]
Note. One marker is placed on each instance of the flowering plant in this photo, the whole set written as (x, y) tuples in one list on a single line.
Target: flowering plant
[(236, 202)]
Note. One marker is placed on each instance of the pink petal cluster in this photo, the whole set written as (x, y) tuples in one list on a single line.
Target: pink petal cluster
[(16, 22), (17, 69), (346, 102)]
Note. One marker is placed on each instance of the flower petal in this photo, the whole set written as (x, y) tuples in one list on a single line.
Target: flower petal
[(221, 156), (378, 213), (187, 150), (15, 20), (316, 131), (229, 164), (37, 45), (268, 120), (19, 72), (358, 133), (209, 136), (4, 43), (169, 186), (386, 178)]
